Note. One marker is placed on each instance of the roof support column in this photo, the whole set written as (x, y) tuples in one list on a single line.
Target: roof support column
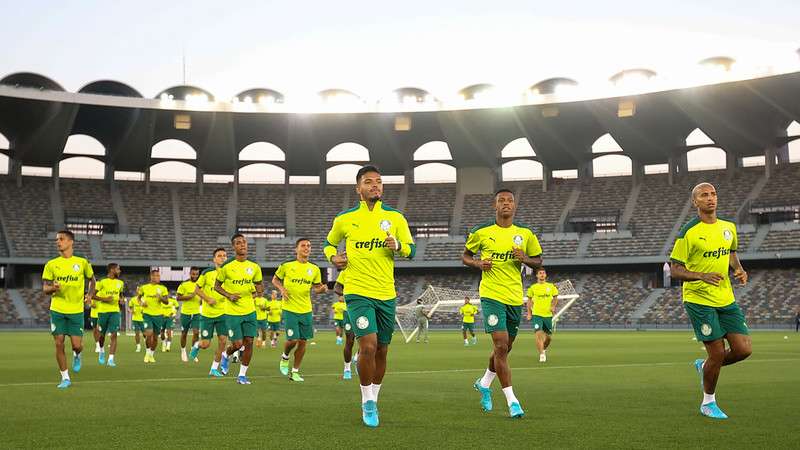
[(732, 163), (637, 171), (147, 181), (15, 170), (108, 175), (586, 170), (547, 178), (55, 176), (782, 153), (199, 180), (769, 161), (672, 169)]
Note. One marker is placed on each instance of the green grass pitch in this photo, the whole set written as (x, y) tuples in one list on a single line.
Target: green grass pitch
[(597, 390)]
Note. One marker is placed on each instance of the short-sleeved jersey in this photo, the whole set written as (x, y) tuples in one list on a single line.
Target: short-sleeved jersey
[(706, 248), (468, 311), (503, 282), (419, 312), (170, 308), (370, 264), (338, 310), (298, 278), (191, 306), (150, 293), (341, 278), (108, 287), (206, 283), (93, 310), (542, 294), (136, 313), (71, 273), (275, 308), (261, 305), (239, 278)]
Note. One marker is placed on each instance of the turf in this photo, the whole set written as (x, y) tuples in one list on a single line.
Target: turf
[(597, 390)]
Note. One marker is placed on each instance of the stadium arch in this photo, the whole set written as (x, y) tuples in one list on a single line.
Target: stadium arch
[(518, 148), (433, 151), (262, 151), (261, 173), (341, 174), (522, 170), (612, 165), (435, 173), (84, 144), (176, 171), (347, 152), (606, 144), (706, 158), (81, 167), (173, 149)]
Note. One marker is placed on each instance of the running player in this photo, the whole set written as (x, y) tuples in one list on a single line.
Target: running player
[(349, 336), (135, 307), (542, 302), (261, 318), (468, 311), (374, 233), (503, 246), (212, 313), (170, 311), (109, 295), (93, 323), (64, 279), (339, 307), (237, 279), (295, 279), (704, 251), (152, 296), (190, 310), (275, 307)]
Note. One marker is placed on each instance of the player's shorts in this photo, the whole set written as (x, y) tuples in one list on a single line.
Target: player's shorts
[(108, 322), (169, 323), (154, 323), (66, 324), (211, 325), (498, 316), (368, 315), (539, 323), (468, 326), (348, 326), (298, 326), (262, 324), (93, 322), (338, 323), (274, 326), (190, 322), (240, 327), (138, 325), (711, 323)]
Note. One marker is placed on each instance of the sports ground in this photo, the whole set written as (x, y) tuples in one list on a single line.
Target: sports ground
[(598, 389)]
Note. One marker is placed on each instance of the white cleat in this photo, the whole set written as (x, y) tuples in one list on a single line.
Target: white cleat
[(542, 357)]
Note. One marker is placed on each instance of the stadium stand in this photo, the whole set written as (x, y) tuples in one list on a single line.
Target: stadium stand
[(38, 304), (542, 210), (8, 313), (202, 225), (477, 209), (29, 207), (774, 299), (430, 203), (607, 298), (444, 251), (778, 241), (668, 309), (151, 213)]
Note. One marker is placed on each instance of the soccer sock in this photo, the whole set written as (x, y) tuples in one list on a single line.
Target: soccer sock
[(242, 370), (295, 370), (196, 344), (466, 341), (285, 357), (376, 389), (215, 365), (487, 379), (709, 398), (183, 351), (111, 357), (510, 397), (347, 366), (366, 394), (224, 355)]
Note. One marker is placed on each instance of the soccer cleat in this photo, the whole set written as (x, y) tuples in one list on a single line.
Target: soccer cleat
[(542, 357), (215, 373), (64, 384), (698, 366), (347, 375), (712, 410), (184, 358), (138, 349), (146, 358), (76, 363), (474, 340), (284, 367), (486, 395), (223, 366), (466, 343), (196, 360), (194, 352), (296, 377), (101, 358), (338, 340), (369, 413), (241, 379), (111, 363), (515, 411)]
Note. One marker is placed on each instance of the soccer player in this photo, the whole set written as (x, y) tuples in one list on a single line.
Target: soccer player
[(237, 279), (152, 296), (704, 251), (64, 279), (190, 310), (212, 313), (261, 318), (275, 308), (93, 324), (349, 336), (109, 294), (169, 310), (295, 279), (468, 311), (504, 246), (374, 233), (542, 302), (339, 308), (135, 308), (422, 321)]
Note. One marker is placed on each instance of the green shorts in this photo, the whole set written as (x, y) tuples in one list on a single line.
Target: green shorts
[(338, 323), (274, 326), (240, 327), (154, 323), (298, 326), (712, 323), (468, 326), (369, 315), (108, 322), (211, 325), (169, 323), (262, 324), (540, 323), (138, 325), (66, 324), (498, 316), (190, 322), (348, 326), (93, 322)]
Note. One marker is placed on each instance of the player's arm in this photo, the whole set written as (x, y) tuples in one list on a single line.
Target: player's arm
[(140, 297), (738, 270), (679, 256), (184, 297), (198, 291), (91, 291), (531, 255), (529, 306), (221, 290), (403, 243), (331, 246), (259, 283), (319, 286), (278, 283), (554, 305), (469, 260), (102, 299)]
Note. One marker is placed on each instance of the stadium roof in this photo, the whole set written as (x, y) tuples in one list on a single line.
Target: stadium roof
[(742, 117)]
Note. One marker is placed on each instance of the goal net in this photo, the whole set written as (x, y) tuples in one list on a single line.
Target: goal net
[(442, 305)]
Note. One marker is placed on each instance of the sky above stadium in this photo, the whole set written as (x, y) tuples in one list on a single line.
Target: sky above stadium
[(373, 47)]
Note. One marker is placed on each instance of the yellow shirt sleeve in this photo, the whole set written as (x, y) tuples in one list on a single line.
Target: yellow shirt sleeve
[(317, 276), (88, 272), (47, 273), (534, 249), (473, 243), (407, 247), (335, 236), (281, 272), (257, 277), (680, 252)]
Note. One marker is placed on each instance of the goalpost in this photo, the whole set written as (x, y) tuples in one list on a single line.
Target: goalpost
[(438, 300)]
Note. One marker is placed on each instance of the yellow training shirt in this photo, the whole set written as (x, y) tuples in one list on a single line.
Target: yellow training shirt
[(239, 277), (108, 287), (542, 294), (71, 273)]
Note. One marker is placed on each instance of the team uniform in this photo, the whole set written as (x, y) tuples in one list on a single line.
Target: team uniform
[(152, 314), (261, 313), (274, 314), (468, 312), (541, 295), (370, 292), (169, 311), (93, 314), (66, 304), (339, 310), (239, 278), (108, 315), (348, 326), (212, 317), (190, 309), (501, 286), (706, 248), (136, 315), (298, 278)]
